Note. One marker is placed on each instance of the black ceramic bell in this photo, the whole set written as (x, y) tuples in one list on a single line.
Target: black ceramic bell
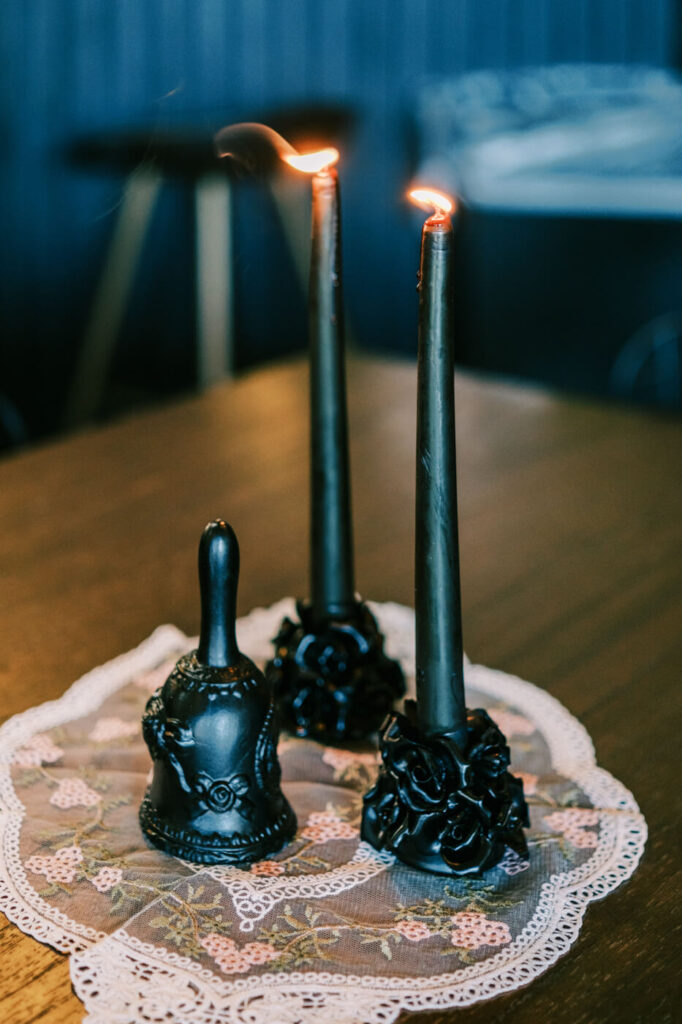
[(211, 730)]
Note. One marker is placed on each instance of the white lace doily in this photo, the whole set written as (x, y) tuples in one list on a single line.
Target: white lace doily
[(328, 926)]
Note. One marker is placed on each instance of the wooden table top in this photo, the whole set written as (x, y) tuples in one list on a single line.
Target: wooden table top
[(571, 548)]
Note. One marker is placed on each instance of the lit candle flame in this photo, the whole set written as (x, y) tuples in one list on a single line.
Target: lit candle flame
[(312, 163), (429, 199), (256, 146)]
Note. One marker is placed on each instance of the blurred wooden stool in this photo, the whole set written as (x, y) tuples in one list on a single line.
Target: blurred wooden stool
[(148, 159)]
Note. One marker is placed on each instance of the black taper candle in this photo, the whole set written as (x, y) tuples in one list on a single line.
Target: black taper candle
[(218, 579), (329, 672), (439, 655), (331, 556), (475, 808)]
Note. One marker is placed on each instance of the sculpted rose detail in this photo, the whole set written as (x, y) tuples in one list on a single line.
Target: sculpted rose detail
[(224, 794), (489, 754), (454, 809), (332, 680), (420, 775), (465, 840), (220, 797)]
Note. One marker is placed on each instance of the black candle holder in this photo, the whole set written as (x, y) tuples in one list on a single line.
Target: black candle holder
[(444, 800), (211, 730), (332, 680), (442, 806)]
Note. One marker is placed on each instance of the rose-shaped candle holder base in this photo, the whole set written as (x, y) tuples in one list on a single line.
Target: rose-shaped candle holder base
[(439, 807), (332, 680)]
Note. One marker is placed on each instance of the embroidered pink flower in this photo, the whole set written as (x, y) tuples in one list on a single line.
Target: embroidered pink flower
[(38, 750), (341, 760), (233, 960), (106, 878), (225, 953), (511, 724), (582, 839), (74, 793), (512, 864), (472, 929), (415, 931), (216, 944), (259, 953), (267, 868), (107, 729), (58, 867), (325, 825), (530, 782), (151, 681), (573, 823)]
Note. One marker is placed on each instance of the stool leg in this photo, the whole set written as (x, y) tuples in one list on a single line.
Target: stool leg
[(214, 285), (111, 296)]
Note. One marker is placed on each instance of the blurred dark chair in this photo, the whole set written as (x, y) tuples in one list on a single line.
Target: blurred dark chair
[(13, 431), (149, 158), (649, 366), (570, 238)]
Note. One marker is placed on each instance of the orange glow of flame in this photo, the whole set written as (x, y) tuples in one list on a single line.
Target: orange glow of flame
[(312, 163), (429, 199)]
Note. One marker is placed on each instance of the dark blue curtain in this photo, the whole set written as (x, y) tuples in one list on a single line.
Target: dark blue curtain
[(74, 66)]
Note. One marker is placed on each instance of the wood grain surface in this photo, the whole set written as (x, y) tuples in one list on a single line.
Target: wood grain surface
[(571, 548)]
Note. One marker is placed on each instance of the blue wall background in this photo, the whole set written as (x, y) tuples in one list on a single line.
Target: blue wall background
[(73, 66)]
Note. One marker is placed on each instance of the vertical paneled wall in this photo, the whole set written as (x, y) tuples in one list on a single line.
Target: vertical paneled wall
[(71, 66)]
